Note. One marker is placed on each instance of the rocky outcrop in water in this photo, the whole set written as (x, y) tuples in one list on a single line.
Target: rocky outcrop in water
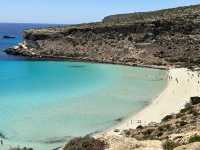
[(152, 38)]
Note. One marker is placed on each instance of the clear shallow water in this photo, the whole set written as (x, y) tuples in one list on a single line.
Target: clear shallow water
[(46, 101), (41, 101)]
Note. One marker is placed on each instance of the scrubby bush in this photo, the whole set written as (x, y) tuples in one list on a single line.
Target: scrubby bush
[(195, 100), (179, 115), (169, 145), (167, 118), (188, 107), (140, 127), (85, 143), (183, 123), (195, 138)]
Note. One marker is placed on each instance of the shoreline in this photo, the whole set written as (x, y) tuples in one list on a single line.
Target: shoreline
[(86, 60), (110, 64), (181, 85), (179, 93), (156, 109)]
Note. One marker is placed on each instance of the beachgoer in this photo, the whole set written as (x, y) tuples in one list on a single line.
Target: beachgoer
[(1, 142)]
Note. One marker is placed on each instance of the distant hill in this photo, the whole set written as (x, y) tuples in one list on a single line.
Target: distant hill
[(152, 16)]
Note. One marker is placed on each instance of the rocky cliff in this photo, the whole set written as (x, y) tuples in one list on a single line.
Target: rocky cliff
[(152, 38)]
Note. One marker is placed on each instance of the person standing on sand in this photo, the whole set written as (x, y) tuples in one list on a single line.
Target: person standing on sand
[(1, 142), (176, 80)]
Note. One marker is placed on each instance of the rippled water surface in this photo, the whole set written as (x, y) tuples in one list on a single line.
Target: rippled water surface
[(45, 101)]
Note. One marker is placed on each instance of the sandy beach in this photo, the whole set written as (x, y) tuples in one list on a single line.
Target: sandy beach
[(182, 84)]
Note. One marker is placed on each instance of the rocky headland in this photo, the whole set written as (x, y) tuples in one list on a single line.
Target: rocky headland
[(165, 37)]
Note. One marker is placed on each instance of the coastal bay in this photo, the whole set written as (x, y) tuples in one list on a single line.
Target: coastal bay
[(182, 85), (69, 99), (166, 39)]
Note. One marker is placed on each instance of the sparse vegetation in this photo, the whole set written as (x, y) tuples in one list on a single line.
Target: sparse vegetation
[(187, 108), (85, 143), (169, 145), (195, 138), (186, 121), (139, 127), (150, 16), (167, 118), (195, 100)]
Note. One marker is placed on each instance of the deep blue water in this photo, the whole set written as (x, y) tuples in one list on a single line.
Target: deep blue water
[(42, 101), (16, 30)]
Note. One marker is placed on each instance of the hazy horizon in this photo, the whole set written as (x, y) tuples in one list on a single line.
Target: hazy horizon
[(63, 12)]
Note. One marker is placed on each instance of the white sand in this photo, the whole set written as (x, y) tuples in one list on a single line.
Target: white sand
[(182, 85)]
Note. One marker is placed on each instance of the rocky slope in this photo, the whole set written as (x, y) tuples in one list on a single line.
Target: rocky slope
[(152, 38), (178, 131)]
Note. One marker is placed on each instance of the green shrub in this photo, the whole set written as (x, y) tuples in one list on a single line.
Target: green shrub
[(193, 112), (195, 138), (140, 127), (167, 118), (85, 143), (169, 145)]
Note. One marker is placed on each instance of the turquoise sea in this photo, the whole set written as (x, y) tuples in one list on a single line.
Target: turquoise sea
[(45, 103)]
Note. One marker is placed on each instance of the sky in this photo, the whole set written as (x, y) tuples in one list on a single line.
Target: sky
[(77, 11)]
